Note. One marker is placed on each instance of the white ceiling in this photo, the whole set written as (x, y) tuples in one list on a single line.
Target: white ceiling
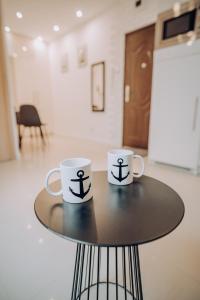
[(39, 16)]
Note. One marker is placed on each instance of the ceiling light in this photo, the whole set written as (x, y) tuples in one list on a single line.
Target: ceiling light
[(19, 15), (7, 28), (79, 13), (24, 48), (56, 28)]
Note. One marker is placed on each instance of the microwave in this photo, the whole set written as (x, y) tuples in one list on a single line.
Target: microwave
[(181, 24)]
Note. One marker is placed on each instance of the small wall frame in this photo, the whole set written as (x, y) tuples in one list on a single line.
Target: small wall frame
[(98, 86), (82, 56)]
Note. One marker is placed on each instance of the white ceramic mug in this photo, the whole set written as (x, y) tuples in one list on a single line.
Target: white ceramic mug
[(120, 166), (76, 180)]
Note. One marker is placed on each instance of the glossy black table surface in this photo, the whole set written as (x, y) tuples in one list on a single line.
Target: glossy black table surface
[(128, 215)]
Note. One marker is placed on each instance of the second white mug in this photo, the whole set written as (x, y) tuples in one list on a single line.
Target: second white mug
[(120, 166)]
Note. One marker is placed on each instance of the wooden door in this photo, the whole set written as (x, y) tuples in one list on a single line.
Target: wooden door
[(137, 89)]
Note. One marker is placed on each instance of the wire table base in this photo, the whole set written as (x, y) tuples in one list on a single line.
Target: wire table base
[(116, 270)]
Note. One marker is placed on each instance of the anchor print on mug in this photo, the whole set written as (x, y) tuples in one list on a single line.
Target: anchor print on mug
[(120, 166), (76, 180)]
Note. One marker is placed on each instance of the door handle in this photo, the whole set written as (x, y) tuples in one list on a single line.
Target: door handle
[(127, 93), (196, 106)]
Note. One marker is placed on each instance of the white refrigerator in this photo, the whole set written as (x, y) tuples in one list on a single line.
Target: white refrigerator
[(174, 136)]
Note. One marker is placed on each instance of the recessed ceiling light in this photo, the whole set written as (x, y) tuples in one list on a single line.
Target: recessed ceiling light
[(24, 48), (19, 15), (56, 28), (79, 13), (7, 28)]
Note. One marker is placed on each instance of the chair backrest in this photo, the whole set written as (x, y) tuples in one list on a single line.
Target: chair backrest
[(29, 115)]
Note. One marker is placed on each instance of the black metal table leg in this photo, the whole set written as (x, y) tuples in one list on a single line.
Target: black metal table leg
[(138, 282), (73, 295), (88, 261)]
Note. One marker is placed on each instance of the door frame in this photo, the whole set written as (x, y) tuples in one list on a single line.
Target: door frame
[(125, 36)]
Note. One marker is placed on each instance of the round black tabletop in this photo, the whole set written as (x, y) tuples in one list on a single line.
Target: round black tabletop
[(133, 214)]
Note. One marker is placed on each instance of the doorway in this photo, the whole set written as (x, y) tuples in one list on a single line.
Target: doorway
[(137, 86)]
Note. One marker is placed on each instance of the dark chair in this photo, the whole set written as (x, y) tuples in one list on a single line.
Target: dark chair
[(29, 117)]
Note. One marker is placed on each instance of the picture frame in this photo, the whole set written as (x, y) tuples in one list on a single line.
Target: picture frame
[(82, 56), (98, 86)]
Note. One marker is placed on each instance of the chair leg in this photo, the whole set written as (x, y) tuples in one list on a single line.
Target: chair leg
[(19, 137), (41, 134)]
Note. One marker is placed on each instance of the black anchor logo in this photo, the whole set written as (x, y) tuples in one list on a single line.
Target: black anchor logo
[(120, 166), (82, 194)]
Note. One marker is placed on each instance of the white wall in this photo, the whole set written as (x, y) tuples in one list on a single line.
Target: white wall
[(8, 132), (31, 75), (105, 40)]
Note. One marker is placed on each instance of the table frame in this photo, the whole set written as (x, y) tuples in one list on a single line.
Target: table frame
[(89, 257)]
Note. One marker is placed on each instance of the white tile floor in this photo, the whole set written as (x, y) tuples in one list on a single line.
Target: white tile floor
[(38, 265)]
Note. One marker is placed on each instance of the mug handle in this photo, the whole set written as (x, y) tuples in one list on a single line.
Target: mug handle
[(47, 183), (137, 175)]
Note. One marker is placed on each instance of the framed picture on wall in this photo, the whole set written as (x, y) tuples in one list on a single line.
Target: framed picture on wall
[(82, 56), (98, 86)]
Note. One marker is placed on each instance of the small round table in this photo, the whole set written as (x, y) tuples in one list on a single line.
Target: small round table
[(109, 228)]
